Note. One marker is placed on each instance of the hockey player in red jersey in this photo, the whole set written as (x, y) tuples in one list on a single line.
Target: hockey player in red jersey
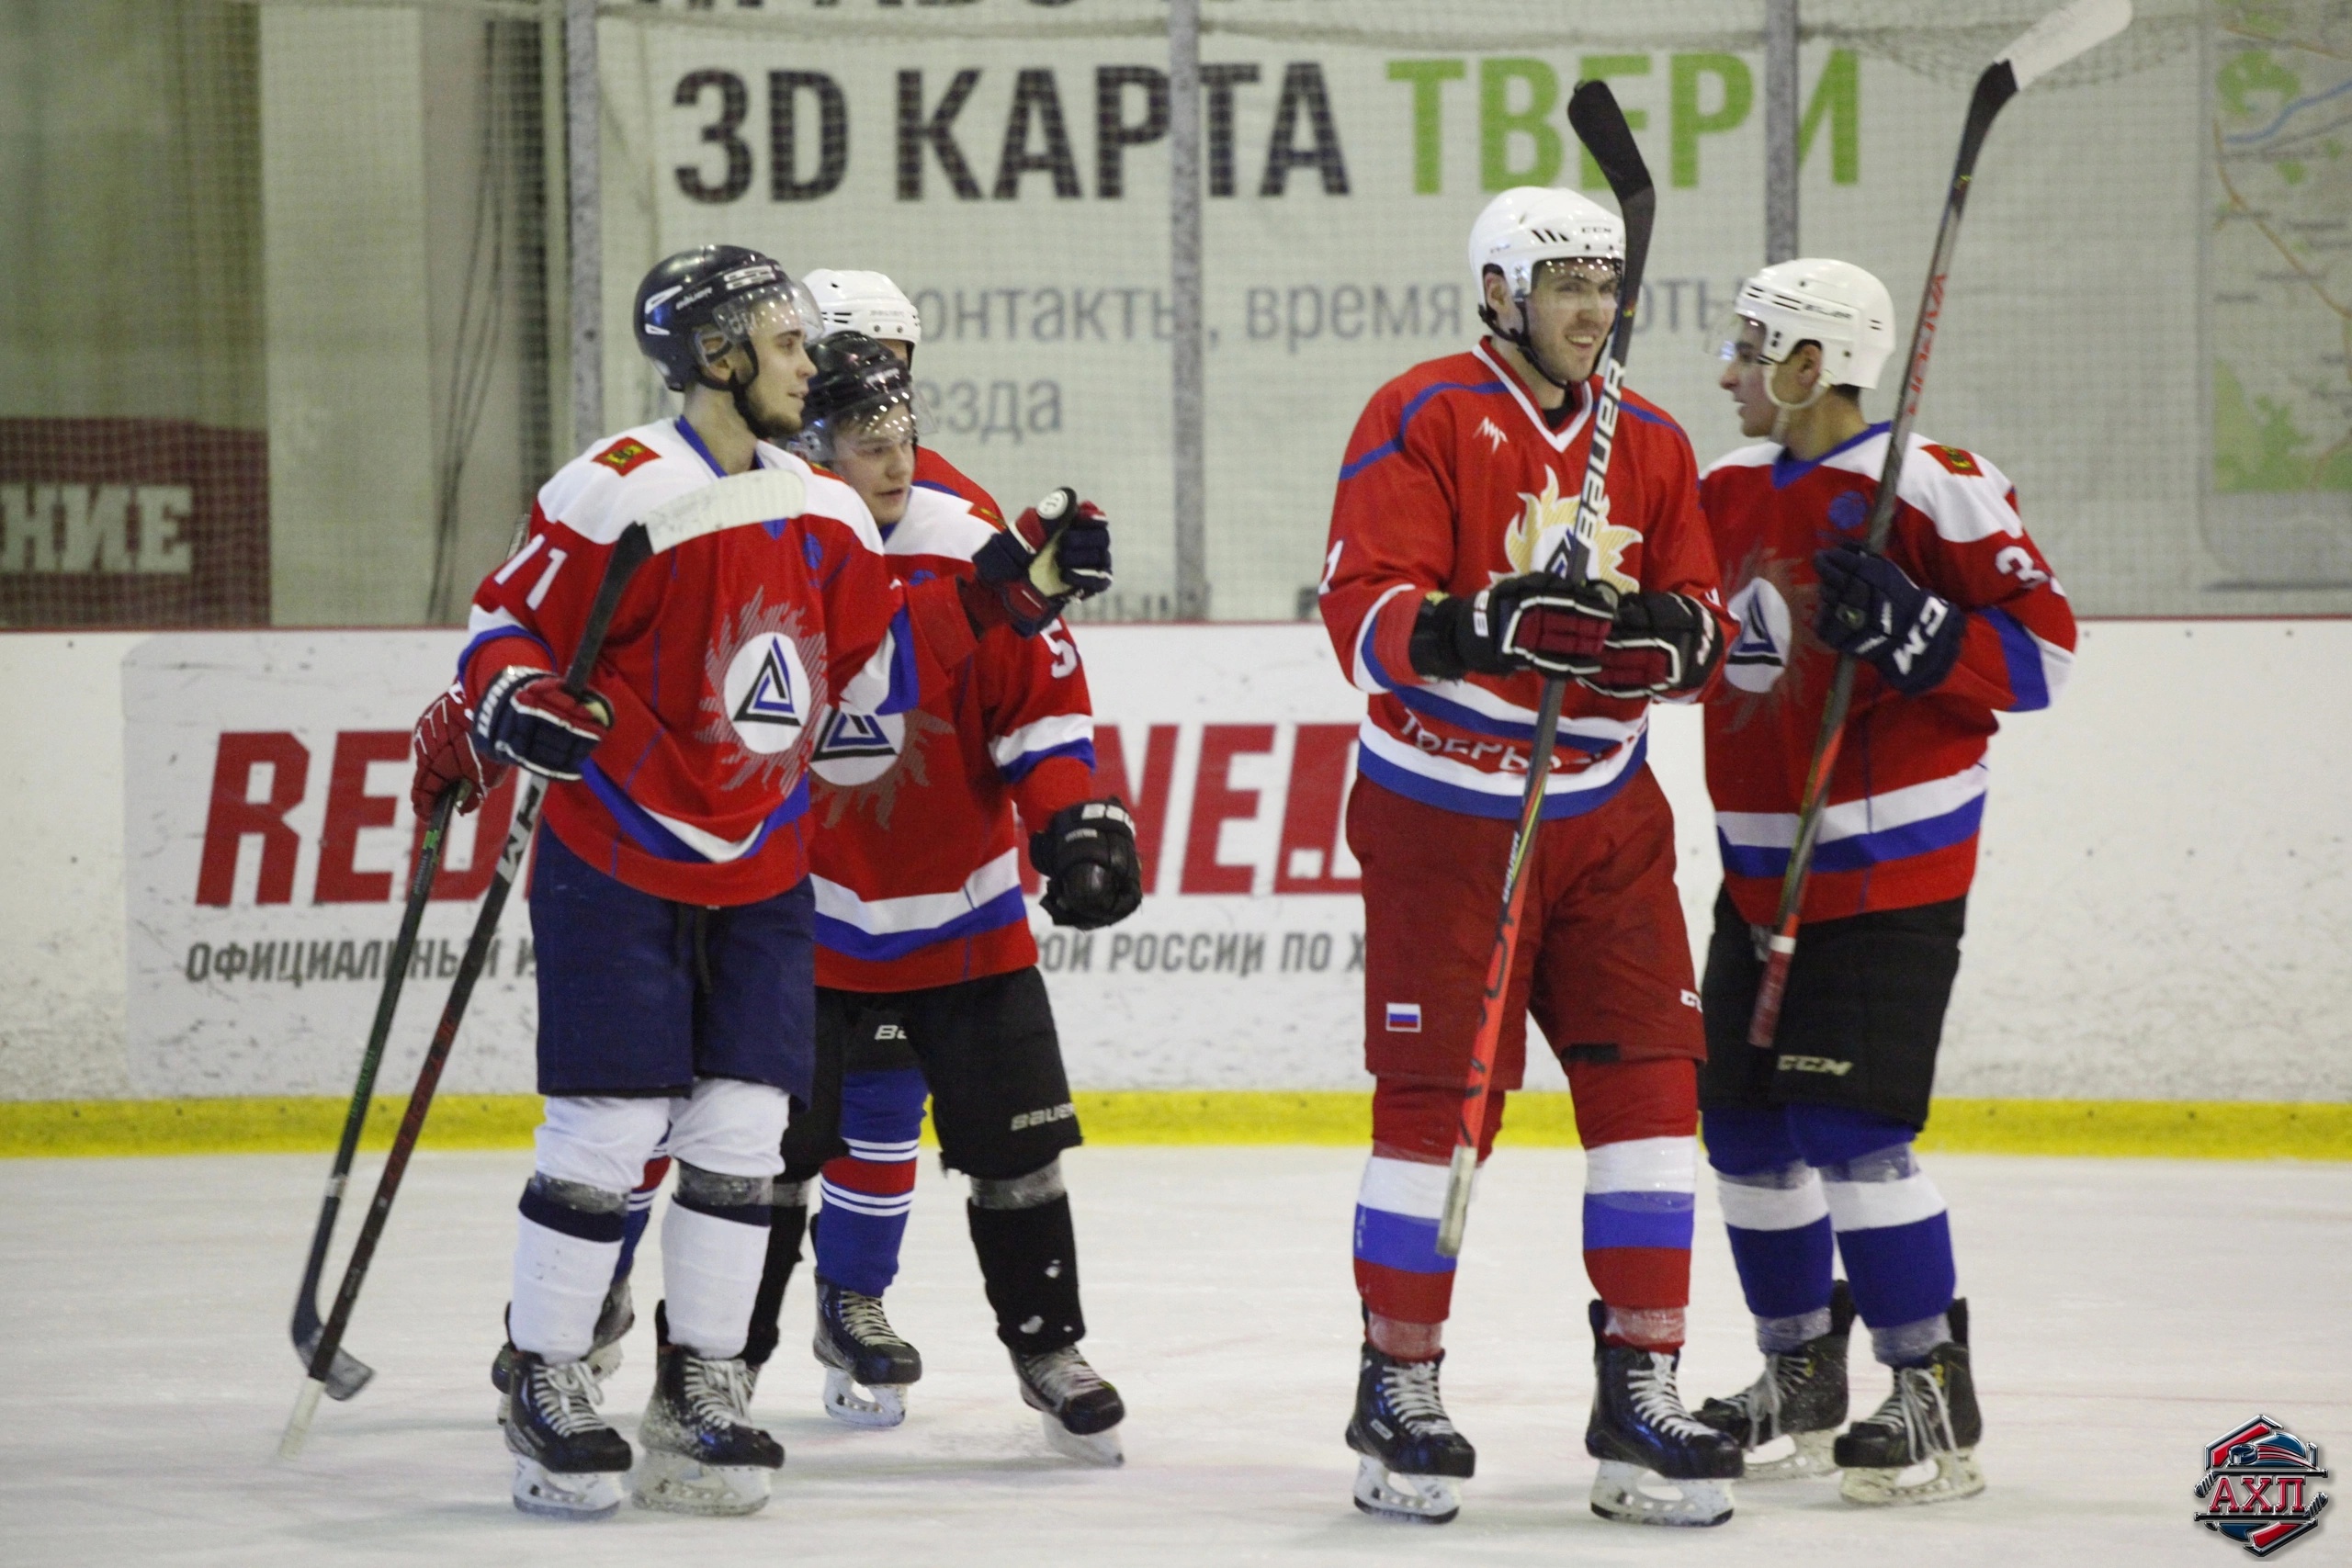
[(926, 970), (1959, 621), (670, 904), (1458, 486)]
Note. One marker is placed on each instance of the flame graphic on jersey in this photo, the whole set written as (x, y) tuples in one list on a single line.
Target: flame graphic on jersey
[(1797, 670), (1555, 512), (880, 795), (753, 621)]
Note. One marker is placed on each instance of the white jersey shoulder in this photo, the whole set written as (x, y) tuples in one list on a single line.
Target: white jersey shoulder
[(621, 478), (939, 524), (831, 496), (1759, 455), (1965, 497)]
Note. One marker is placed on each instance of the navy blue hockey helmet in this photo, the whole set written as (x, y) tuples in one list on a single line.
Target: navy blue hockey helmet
[(696, 307), (859, 386)]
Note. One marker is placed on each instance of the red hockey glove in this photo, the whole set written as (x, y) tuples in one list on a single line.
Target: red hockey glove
[(527, 718), (1058, 550), (442, 748), (1659, 643), (1533, 621)]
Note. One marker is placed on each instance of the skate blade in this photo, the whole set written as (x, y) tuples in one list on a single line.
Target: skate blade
[(1954, 1476), (1088, 1448), (1409, 1499), (1810, 1457), (672, 1483), (1621, 1491), (881, 1405), (545, 1495)]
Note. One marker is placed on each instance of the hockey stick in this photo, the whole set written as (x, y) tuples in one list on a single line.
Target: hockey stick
[(348, 1374), (2059, 37), (1600, 125), (759, 496)]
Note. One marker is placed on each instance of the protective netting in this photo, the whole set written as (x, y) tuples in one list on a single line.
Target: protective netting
[(288, 317)]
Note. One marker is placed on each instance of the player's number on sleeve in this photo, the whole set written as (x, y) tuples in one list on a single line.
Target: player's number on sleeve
[(1065, 651), (546, 578), (2018, 561)]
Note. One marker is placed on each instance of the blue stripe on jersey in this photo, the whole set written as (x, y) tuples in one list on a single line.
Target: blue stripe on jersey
[(1638, 1218), (1788, 468), (1862, 851), (839, 936), (1421, 700), (2028, 686), (1021, 766), (906, 678), (687, 433), (1399, 1241), (466, 654), (1378, 672), (1504, 807), (655, 839), (1396, 443)]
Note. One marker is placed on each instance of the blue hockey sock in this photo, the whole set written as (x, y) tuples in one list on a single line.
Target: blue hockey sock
[(868, 1192), (1778, 1222), (1892, 1230)]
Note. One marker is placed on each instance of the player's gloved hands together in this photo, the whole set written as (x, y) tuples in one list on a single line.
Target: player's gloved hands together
[(442, 748), (1087, 855), (1659, 643), (1871, 609), (527, 718), (1533, 621), (1055, 551)]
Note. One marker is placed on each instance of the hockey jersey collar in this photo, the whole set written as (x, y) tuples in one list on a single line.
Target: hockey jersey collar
[(1788, 468), (1560, 439)]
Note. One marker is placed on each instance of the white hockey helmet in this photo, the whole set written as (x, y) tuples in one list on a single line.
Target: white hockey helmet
[(1834, 303), (868, 302), (1529, 224)]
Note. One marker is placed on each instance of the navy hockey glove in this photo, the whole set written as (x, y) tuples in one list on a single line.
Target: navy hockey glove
[(1533, 621), (1087, 855), (1055, 551), (1659, 643), (1871, 609), (443, 747), (527, 718)]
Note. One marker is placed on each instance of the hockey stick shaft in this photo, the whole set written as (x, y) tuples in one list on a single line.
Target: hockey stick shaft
[(1598, 120), (348, 1374), (2057, 38)]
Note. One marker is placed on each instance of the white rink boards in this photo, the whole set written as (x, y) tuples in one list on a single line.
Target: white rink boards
[(2127, 1313)]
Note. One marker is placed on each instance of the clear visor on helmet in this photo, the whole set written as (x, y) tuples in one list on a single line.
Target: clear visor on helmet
[(762, 315), (868, 430), (1579, 278), (1745, 345)]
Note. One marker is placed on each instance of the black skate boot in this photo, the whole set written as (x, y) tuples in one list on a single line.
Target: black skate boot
[(702, 1453), (1640, 1432), (614, 1321), (1801, 1397), (1080, 1412), (1930, 1417), (568, 1462), (1411, 1454), (867, 1365)]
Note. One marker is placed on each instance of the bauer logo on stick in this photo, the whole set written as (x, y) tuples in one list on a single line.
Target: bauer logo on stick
[(2257, 1489)]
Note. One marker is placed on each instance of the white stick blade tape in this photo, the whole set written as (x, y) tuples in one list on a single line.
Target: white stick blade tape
[(761, 495), (2064, 33)]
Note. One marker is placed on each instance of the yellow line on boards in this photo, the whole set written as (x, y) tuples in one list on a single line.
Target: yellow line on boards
[(2114, 1128)]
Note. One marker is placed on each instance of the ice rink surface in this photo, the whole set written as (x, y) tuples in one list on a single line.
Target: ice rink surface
[(2127, 1312)]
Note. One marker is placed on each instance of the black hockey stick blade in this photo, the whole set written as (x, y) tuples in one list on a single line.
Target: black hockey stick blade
[(1600, 125)]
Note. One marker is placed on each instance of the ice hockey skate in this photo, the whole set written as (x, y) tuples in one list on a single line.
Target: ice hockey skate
[(702, 1453), (1080, 1412), (867, 1365), (1658, 1465), (1411, 1456), (1800, 1397), (614, 1321), (568, 1462), (1930, 1420)]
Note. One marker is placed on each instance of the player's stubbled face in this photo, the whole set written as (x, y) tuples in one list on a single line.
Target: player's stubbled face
[(879, 464), (1570, 308), (782, 382), (1743, 378)]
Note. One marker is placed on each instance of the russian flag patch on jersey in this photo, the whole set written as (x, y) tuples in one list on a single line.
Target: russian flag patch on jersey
[(1956, 461), (1404, 1018), (627, 455)]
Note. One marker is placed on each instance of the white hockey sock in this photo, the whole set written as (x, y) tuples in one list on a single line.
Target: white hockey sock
[(710, 1274), (560, 1285)]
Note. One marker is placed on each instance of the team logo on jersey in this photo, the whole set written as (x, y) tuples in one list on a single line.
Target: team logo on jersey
[(1542, 538), (2257, 1489), (864, 762), (1496, 439), (1849, 511), (767, 694), (856, 748), (1956, 461), (762, 685), (1759, 653), (626, 456)]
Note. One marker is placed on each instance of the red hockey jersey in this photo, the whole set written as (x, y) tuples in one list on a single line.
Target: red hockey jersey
[(1453, 480), (1908, 792), (722, 653), (917, 855)]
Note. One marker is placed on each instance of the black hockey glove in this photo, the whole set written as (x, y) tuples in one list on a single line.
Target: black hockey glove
[(1055, 551), (1871, 609), (1660, 644), (1533, 621), (1087, 855), (529, 719)]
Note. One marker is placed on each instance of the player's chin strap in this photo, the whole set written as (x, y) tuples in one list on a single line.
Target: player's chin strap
[(1520, 338), (739, 394), (1786, 410)]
